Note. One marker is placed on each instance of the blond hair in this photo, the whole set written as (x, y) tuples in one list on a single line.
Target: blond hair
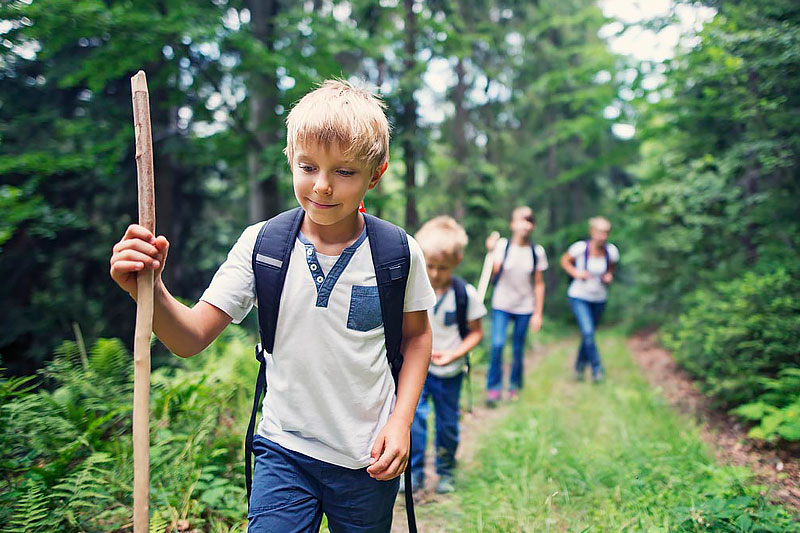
[(340, 113), (601, 223), (442, 235)]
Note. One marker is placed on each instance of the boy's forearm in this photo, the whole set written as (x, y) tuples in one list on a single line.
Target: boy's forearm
[(472, 339), (416, 358), (176, 325)]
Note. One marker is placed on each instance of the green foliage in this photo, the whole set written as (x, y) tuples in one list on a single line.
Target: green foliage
[(739, 332), (715, 190), (711, 218), (742, 340), (67, 452), (777, 411)]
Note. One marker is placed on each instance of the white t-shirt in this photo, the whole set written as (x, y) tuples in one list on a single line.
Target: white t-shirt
[(329, 385), (591, 290), (445, 328), (513, 292)]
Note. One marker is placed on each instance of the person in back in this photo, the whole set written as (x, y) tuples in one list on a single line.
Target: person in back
[(518, 299), (456, 324), (591, 263)]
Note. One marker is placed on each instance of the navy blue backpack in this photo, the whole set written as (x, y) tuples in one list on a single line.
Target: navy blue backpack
[(586, 258), (391, 259)]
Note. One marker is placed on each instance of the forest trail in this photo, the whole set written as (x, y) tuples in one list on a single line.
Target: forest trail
[(574, 456)]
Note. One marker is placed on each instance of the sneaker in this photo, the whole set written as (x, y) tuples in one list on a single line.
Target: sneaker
[(598, 376), (579, 375), (513, 395), (445, 485), (492, 397)]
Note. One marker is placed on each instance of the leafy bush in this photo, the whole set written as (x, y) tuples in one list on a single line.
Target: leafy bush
[(778, 409), (66, 460), (742, 340)]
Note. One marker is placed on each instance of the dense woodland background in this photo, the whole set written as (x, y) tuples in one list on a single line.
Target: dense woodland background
[(704, 198)]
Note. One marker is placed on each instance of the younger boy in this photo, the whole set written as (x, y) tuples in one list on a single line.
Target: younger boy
[(518, 298), (334, 432), (443, 241)]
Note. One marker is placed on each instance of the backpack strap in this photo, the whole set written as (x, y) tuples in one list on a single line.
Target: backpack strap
[(270, 263), (535, 257), (271, 256), (496, 277), (391, 259), (460, 290), (586, 255)]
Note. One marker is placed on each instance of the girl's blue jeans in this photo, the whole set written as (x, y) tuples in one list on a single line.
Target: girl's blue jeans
[(500, 321), (587, 314)]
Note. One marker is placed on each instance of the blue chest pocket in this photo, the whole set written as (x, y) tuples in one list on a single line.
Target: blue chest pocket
[(449, 318), (365, 308)]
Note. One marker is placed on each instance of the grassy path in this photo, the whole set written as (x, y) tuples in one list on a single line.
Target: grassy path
[(575, 456)]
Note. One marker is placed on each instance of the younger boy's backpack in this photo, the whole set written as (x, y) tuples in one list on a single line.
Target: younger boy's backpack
[(391, 259), (460, 290), (505, 256)]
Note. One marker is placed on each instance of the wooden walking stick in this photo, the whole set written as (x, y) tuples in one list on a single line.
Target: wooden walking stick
[(144, 310), (486, 273)]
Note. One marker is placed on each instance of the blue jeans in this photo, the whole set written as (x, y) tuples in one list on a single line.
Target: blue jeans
[(292, 490), (587, 315), (444, 393), (500, 320)]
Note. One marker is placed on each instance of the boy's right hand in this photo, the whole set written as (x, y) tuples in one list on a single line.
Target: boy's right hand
[(138, 249)]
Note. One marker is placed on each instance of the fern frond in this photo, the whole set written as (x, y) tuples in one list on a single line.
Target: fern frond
[(32, 512)]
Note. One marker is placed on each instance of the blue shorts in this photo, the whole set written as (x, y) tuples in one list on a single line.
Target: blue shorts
[(292, 490)]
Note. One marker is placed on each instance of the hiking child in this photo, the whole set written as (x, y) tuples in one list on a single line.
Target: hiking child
[(518, 299), (591, 263), (456, 324), (336, 417)]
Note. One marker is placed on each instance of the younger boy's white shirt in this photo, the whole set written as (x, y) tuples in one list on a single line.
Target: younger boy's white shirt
[(444, 325), (513, 292), (591, 290), (329, 388)]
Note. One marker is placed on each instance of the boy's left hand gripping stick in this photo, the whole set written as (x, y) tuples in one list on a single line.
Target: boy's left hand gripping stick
[(144, 310)]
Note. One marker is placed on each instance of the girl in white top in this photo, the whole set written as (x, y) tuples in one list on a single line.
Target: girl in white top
[(518, 298), (591, 264)]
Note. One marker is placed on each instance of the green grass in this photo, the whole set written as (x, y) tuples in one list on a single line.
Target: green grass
[(611, 457)]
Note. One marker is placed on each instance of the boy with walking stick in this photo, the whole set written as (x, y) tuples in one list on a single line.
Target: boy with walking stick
[(339, 294)]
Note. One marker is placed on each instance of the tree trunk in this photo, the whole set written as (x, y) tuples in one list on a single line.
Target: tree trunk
[(409, 118), (262, 182), (459, 180)]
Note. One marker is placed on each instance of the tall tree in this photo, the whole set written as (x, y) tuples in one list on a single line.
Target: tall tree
[(409, 82), (262, 85)]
